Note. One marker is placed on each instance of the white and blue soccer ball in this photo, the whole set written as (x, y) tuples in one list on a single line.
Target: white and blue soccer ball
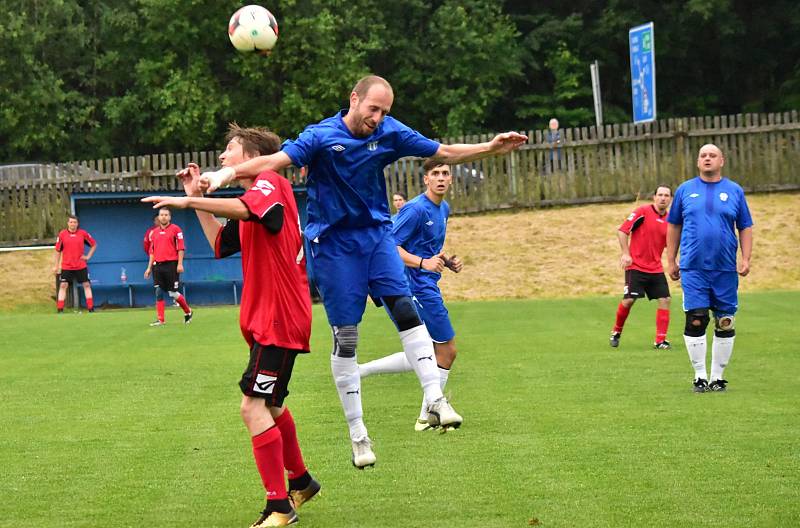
[(253, 28)]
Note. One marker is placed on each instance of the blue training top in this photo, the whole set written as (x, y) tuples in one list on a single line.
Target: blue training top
[(420, 229), (708, 213), (346, 187)]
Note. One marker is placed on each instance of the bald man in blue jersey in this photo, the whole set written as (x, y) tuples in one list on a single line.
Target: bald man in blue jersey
[(419, 231), (353, 253), (705, 212)]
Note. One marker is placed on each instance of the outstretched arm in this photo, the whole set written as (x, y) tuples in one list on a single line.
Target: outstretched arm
[(211, 181), (190, 177), (461, 153)]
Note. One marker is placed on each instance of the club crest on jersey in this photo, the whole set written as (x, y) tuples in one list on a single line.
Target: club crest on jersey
[(723, 197), (372, 146)]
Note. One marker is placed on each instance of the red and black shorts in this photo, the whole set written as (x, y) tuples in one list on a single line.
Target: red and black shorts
[(268, 373), (71, 276), (638, 284), (166, 276)]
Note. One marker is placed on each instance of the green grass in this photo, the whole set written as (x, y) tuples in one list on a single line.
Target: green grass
[(107, 422)]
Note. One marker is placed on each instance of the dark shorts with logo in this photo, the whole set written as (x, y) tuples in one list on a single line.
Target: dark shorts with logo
[(638, 284), (71, 276), (268, 373), (166, 276)]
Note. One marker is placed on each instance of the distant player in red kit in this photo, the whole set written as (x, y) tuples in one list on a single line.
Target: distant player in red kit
[(644, 275), (146, 239), (275, 315), (166, 265), (70, 262)]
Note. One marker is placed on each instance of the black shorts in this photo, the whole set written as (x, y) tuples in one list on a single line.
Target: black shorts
[(166, 276), (268, 373), (80, 276), (639, 283)]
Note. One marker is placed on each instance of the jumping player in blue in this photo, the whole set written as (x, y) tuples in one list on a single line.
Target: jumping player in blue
[(353, 252), (419, 231), (704, 213)]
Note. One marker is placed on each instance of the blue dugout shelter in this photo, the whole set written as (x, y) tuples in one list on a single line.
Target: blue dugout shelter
[(118, 221)]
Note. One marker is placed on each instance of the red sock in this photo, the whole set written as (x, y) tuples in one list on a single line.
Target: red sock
[(60, 305), (160, 310), (268, 452), (622, 314), (184, 305), (662, 323), (292, 456), (89, 303)]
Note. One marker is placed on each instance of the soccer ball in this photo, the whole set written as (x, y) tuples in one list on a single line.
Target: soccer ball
[(253, 28)]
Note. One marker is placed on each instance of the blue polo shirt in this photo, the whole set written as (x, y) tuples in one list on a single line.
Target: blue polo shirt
[(709, 212), (346, 186), (420, 229)]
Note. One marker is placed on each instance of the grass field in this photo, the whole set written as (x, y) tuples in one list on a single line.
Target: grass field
[(107, 422)]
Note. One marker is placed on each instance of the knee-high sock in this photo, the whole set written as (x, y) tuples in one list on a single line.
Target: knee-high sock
[(181, 300), (418, 348), (696, 347), (662, 324), (90, 303), (348, 385), (160, 310), (443, 375), (622, 315), (268, 452), (292, 456), (390, 364), (721, 350)]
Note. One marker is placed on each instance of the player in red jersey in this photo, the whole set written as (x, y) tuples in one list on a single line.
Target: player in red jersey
[(146, 239), (70, 262), (644, 275), (166, 265), (275, 314)]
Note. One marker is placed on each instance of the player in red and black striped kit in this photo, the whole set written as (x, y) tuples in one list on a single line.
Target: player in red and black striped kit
[(644, 274), (275, 314), (166, 265), (70, 262)]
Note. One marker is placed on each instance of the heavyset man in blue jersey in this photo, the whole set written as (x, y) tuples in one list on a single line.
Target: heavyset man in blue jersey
[(704, 213), (419, 231), (353, 252)]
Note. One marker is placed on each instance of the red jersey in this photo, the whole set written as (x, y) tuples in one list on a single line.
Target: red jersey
[(276, 304), (648, 231), (71, 247), (146, 241), (165, 242)]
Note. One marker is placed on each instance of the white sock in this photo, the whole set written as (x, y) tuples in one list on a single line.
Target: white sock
[(443, 375), (418, 348), (696, 347), (721, 350), (348, 385), (390, 364)]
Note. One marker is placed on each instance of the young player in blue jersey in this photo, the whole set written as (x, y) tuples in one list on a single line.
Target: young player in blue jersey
[(704, 213), (353, 253), (419, 231)]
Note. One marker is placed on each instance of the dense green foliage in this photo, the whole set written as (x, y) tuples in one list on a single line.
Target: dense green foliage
[(107, 422), (96, 78)]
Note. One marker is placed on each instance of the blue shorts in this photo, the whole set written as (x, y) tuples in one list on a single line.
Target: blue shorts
[(433, 313), (350, 264), (710, 289)]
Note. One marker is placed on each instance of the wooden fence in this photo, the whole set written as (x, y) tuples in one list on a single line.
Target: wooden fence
[(610, 163)]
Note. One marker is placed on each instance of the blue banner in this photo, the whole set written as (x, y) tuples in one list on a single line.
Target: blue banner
[(643, 72)]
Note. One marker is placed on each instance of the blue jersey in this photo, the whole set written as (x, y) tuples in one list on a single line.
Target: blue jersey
[(708, 213), (420, 228), (346, 187)]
